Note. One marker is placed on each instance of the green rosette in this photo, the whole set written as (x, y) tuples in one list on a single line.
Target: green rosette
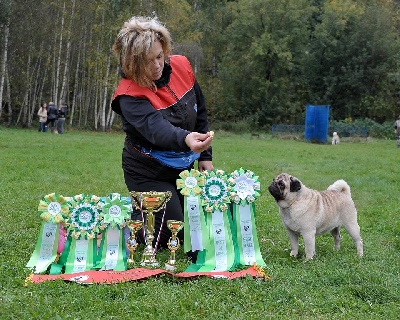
[(51, 208), (112, 252), (216, 191), (219, 254), (245, 189), (85, 219), (190, 182), (83, 224), (190, 185)]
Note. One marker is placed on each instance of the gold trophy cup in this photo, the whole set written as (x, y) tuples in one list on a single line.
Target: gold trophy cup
[(134, 226), (149, 203), (173, 243)]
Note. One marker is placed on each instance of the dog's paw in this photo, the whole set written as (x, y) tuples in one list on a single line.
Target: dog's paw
[(294, 254)]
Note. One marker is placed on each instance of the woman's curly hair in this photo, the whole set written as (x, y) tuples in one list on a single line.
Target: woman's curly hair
[(133, 43)]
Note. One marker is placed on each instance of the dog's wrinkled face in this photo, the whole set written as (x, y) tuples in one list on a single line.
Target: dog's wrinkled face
[(283, 188)]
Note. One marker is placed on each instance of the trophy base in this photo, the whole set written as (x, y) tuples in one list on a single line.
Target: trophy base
[(170, 267), (148, 260), (149, 264)]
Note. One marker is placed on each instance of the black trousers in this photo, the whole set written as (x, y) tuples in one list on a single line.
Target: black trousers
[(52, 124)]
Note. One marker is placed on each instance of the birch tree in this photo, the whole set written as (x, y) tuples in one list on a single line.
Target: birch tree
[(105, 94), (4, 63), (34, 87), (58, 66), (8, 99), (67, 57)]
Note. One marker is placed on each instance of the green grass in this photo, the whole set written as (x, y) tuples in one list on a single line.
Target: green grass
[(334, 285)]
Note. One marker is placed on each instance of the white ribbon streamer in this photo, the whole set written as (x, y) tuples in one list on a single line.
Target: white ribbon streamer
[(80, 254), (218, 229), (193, 209), (47, 245), (113, 239), (246, 227)]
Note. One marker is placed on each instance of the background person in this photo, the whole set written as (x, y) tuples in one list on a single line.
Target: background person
[(163, 114), (61, 114), (42, 113), (51, 116), (397, 130)]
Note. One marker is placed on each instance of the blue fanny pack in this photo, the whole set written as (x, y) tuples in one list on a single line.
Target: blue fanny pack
[(176, 160)]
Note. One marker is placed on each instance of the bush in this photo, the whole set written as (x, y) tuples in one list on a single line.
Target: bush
[(375, 129), (240, 126), (348, 127)]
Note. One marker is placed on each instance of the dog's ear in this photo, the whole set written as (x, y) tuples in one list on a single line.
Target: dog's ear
[(295, 185)]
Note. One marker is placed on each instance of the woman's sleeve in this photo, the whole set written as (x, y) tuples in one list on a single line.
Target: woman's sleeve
[(140, 115)]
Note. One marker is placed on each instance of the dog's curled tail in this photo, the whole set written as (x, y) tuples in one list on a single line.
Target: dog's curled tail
[(340, 186)]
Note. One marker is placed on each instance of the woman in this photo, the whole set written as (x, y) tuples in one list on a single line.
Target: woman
[(42, 113), (163, 114), (51, 116), (61, 114)]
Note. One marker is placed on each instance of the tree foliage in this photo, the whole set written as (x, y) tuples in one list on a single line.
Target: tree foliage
[(352, 53), (259, 60)]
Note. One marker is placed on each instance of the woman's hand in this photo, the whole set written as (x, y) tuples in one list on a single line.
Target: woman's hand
[(205, 165), (198, 142)]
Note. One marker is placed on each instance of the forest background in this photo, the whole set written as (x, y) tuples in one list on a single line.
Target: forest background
[(258, 61)]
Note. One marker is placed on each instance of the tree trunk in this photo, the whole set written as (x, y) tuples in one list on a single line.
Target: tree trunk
[(103, 112), (40, 94), (9, 107), (23, 106), (96, 113), (67, 62), (59, 58), (23, 113), (89, 91), (111, 114), (4, 64), (34, 91), (76, 89)]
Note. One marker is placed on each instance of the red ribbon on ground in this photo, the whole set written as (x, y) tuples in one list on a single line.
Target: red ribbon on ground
[(112, 277)]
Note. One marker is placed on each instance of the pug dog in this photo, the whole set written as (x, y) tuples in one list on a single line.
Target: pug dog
[(309, 212)]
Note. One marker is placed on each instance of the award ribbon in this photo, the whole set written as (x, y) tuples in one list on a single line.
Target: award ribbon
[(194, 219), (51, 209), (112, 253), (245, 190), (83, 225), (219, 253)]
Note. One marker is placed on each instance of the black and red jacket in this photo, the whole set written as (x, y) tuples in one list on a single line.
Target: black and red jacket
[(161, 120)]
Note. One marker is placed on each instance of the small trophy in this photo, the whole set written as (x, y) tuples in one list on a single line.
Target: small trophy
[(134, 226), (149, 203), (173, 243)]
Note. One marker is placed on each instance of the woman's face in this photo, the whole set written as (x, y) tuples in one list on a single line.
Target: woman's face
[(155, 61)]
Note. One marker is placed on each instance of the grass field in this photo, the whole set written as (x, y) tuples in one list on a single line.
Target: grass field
[(335, 285)]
